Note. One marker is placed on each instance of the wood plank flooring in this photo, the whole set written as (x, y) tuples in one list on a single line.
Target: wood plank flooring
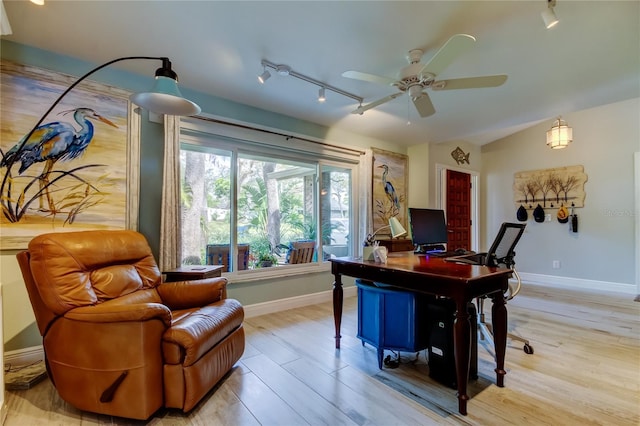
[(585, 371)]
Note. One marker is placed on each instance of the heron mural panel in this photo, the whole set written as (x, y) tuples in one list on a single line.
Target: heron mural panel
[(72, 172), (389, 188)]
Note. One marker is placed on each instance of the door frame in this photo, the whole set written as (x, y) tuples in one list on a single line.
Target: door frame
[(441, 197), (636, 161)]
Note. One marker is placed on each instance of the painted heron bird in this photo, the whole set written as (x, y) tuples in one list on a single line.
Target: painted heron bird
[(388, 187), (54, 141)]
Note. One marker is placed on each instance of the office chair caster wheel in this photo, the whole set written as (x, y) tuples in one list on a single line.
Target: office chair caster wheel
[(528, 349)]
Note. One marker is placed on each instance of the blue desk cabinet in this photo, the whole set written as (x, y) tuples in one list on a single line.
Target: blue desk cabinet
[(391, 319)]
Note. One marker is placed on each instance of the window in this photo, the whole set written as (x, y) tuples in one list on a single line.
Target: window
[(253, 200)]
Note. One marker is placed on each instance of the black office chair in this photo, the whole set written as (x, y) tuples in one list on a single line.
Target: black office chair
[(501, 253)]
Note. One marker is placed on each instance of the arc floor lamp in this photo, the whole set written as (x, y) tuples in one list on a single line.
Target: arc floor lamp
[(163, 98)]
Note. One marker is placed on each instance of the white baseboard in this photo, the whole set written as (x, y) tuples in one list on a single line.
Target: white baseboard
[(24, 356), (577, 283), (263, 308)]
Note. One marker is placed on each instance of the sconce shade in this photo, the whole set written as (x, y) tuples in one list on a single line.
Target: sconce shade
[(165, 98), (560, 135), (397, 230)]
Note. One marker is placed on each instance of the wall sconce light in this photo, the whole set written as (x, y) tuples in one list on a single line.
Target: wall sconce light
[(321, 95), (560, 135), (549, 16), (285, 70)]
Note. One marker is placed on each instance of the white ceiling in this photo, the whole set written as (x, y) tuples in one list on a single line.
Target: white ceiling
[(591, 58)]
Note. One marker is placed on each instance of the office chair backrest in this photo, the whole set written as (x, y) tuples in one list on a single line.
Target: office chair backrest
[(502, 250)]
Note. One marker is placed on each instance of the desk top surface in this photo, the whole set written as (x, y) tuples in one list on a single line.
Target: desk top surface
[(424, 265)]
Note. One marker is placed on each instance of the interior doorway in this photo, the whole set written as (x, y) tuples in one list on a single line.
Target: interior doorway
[(457, 194), (458, 209)]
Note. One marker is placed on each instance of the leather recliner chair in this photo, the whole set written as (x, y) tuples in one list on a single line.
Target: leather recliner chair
[(118, 340)]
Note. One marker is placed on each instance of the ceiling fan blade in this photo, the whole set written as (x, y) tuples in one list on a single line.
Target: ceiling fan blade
[(424, 106), (469, 82), (363, 108), (371, 78), (454, 47)]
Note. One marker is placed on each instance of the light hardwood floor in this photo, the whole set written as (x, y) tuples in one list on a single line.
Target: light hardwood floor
[(585, 371)]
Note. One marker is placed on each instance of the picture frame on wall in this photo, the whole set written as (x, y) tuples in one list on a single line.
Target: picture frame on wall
[(79, 170), (389, 188)]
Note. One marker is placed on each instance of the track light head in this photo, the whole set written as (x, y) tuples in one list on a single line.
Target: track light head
[(321, 95), (549, 16), (264, 76)]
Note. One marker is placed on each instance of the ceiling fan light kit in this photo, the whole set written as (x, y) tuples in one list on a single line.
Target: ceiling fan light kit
[(560, 135), (549, 16), (415, 78), (285, 70)]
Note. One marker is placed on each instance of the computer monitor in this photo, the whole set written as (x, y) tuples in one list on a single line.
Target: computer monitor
[(428, 229)]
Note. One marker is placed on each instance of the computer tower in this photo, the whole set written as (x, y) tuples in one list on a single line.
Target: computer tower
[(442, 365)]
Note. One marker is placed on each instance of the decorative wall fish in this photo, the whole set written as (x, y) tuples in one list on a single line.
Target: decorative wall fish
[(459, 155)]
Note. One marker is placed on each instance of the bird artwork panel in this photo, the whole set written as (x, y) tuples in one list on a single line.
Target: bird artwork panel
[(389, 188), (75, 170)]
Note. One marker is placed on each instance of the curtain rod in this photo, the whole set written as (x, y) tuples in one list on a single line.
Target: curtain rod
[(272, 132)]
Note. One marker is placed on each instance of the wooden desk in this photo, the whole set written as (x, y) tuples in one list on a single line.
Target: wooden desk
[(460, 282), (193, 272)]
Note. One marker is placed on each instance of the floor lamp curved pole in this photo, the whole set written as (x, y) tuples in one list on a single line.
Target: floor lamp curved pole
[(163, 98)]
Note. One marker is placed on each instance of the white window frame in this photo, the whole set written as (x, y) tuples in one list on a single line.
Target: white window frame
[(238, 137)]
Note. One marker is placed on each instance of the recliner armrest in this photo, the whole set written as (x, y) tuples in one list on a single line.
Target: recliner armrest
[(108, 313), (191, 294)]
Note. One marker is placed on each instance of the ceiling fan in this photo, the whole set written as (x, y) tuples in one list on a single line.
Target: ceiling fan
[(416, 77)]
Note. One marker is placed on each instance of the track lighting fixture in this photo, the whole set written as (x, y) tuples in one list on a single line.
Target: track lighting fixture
[(264, 76), (321, 95), (285, 70), (549, 16)]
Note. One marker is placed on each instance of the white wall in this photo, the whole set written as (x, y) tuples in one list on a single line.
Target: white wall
[(418, 158), (602, 254)]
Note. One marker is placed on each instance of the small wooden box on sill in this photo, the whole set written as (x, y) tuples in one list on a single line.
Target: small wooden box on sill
[(397, 244), (193, 272)]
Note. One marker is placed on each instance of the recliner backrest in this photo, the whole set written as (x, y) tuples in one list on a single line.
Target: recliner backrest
[(85, 268)]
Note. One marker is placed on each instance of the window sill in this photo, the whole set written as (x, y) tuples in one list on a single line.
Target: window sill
[(277, 272)]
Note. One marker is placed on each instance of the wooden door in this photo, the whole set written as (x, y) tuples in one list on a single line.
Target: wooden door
[(458, 210)]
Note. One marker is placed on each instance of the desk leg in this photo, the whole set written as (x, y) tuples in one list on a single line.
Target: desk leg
[(499, 323), (462, 347), (337, 306)]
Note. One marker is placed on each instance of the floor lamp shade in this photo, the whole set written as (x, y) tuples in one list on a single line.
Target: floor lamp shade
[(165, 98)]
